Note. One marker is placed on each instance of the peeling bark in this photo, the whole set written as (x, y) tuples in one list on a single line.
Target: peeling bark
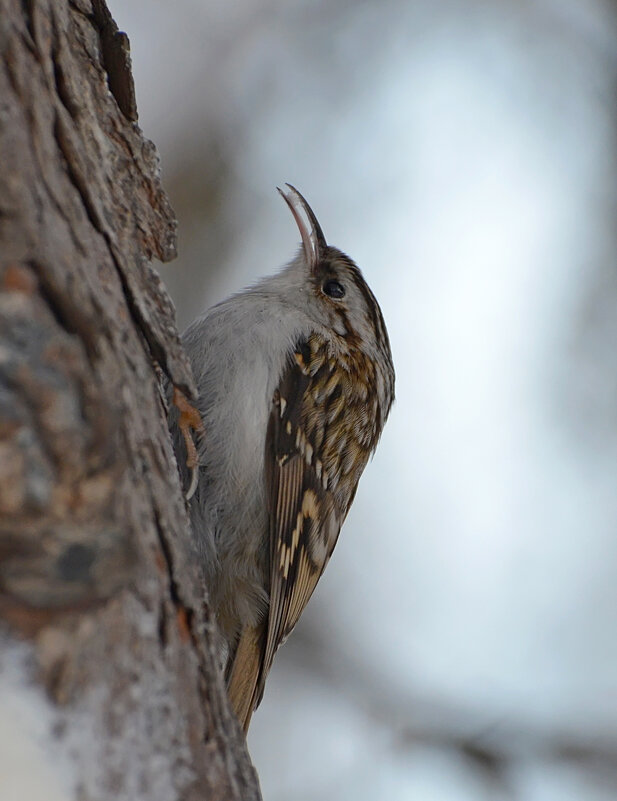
[(96, 569)]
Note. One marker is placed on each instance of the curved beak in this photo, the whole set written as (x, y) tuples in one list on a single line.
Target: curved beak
[(313, 240)]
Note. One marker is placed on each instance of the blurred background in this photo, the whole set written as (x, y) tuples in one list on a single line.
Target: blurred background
[(462, 644)]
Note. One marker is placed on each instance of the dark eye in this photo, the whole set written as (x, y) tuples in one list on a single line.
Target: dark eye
[(334, 289)]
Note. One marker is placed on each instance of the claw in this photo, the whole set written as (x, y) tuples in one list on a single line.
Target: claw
[(193, 485), (189, 421)]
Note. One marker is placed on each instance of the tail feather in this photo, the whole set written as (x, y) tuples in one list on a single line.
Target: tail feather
[(244, 684)]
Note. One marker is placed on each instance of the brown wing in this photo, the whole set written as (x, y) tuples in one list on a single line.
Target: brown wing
[(320, 434), (305, 517)]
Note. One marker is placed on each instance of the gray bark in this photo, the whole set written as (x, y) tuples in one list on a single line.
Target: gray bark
[(97, 576)]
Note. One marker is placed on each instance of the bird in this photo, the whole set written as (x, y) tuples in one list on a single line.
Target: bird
[(295, 382)]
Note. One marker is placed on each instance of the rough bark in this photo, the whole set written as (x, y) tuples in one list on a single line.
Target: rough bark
[(97, 576)]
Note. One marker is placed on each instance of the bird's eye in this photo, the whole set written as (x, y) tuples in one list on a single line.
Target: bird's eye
[(334, 289)]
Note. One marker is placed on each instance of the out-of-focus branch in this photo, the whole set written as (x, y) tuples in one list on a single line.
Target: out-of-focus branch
[(492, 745)]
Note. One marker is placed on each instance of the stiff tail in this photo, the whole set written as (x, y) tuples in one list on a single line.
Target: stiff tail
[(244, 684)]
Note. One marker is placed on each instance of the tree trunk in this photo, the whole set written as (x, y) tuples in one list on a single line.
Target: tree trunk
[(107, 669)]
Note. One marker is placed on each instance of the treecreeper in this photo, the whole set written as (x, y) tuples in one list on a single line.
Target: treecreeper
[(295, 381)]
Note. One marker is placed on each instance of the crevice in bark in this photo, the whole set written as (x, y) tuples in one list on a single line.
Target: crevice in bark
[(163, 622), (28, 6), (116, 60), (184, 612), (157, 351), (78, 179), (65, 312), (62, 87)]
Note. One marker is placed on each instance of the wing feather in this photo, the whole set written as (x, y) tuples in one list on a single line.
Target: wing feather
[(316, 427), (303, 527)]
